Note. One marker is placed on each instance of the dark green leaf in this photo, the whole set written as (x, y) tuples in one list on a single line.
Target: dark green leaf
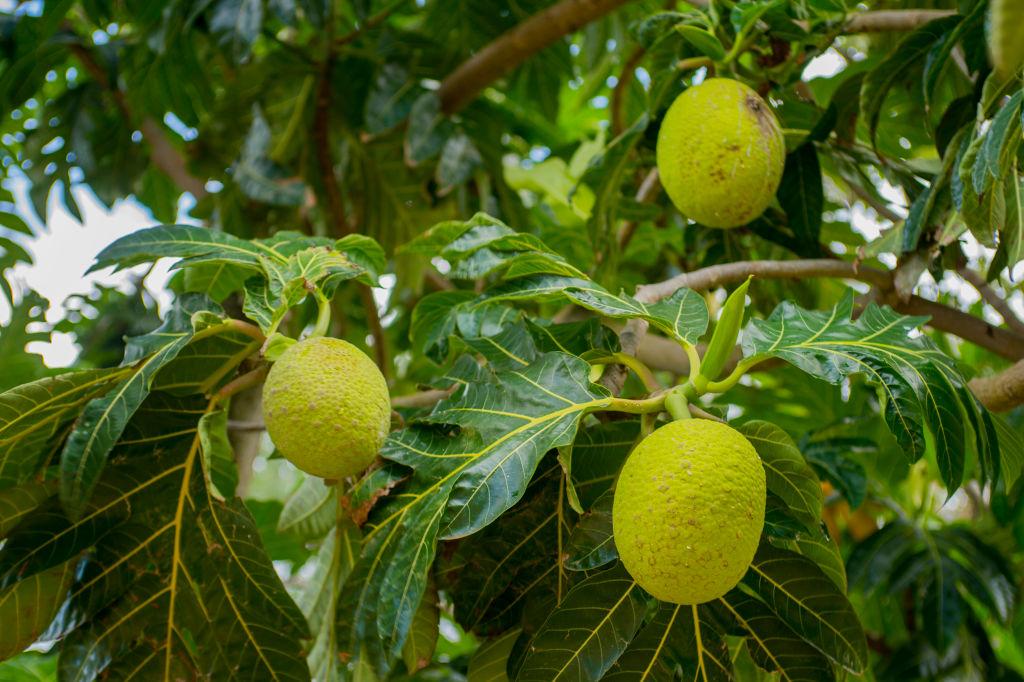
[(804, 598), (591, 544), (33, 417), (772, 644), (801, 194), (919, 385), (787, 474), (588, 631)]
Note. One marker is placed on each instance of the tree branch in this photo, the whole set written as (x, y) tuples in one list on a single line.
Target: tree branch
[(515, 46), (1003, 391), (620, 90), (164, 154), (1000, 341), (893, 20), (989, 295)]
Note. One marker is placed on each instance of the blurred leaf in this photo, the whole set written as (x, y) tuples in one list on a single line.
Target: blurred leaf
[(1006, 37), (490, 661), (912, 50)]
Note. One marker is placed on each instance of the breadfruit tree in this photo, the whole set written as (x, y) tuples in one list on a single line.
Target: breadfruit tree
[(575, 340)]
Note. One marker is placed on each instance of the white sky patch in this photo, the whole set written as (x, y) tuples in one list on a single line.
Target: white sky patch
[(825, 65), (63, 249)]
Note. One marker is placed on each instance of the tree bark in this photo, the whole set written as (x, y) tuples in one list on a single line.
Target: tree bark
[(517, 45)]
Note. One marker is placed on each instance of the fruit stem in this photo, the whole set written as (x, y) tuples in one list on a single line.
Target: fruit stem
[(677, 405), (693, 63), (247, 380), (323, 315), (250, 330), (742, 367)]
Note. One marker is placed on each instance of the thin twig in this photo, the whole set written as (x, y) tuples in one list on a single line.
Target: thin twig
[(380, 340), (991, 297), (620, 89), (648, 191)]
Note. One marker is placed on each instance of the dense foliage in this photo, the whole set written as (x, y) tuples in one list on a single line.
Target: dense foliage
[(483, 216)]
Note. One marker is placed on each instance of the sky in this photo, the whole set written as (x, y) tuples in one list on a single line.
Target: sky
[(63, 249)]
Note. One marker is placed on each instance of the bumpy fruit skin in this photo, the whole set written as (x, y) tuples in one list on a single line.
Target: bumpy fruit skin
[(688, 510), (720, 153), (326, 407)]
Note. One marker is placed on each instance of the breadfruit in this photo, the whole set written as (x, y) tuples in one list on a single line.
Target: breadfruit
[(688, 510), (326, 407), (720, 153)]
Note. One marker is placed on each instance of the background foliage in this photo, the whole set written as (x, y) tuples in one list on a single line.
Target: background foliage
[(485, 248)]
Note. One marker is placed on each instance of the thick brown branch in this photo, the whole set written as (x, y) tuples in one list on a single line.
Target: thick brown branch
[(517, 45), (893, 20), (1003, 391), (990, 296), (332, 204), (943, 318), (164, 154)]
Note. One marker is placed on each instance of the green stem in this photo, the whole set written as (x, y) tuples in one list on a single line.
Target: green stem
[(323, 316), (742, 367), (677, 405), (250, 330), (650, 405), (694, 358)]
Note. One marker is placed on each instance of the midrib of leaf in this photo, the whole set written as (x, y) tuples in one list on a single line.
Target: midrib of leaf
[(123, 619), (245, 626), (701, 667), (803, 606), (751, 632), (867, 369), (409, 575), (597, 628), (88, 517), (39, 406), (176, 549), (231, 363), (118, 394), (472, 457), (661, 642)]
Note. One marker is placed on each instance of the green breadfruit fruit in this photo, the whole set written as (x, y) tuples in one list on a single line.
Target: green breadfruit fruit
[(688, 510), (720, 153), (326, 407)]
